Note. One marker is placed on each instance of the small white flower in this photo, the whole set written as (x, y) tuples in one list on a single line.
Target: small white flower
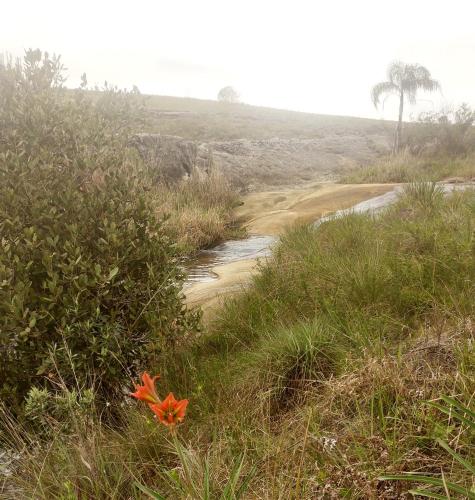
[(419, 393), (328, 443)]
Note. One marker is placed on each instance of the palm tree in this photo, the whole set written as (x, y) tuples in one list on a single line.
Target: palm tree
[(404, 80)]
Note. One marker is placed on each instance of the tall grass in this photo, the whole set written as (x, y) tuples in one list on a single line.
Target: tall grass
[(319, 372), (199, 210), (409, 168), (441, 487)]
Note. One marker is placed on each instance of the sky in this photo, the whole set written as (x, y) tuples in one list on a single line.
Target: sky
[(320, 56)]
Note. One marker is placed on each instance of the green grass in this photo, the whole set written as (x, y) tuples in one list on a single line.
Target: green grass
[(442, 488), (408, 168), (317, 374)]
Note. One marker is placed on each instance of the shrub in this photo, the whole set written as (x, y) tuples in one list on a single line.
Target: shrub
[(447, 132), (89, 284), (49, 412)]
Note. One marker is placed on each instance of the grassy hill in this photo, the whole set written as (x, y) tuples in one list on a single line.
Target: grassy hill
[(206, 121), (265, 146)]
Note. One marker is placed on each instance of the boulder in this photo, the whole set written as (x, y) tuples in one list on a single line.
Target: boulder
[(171, 157)]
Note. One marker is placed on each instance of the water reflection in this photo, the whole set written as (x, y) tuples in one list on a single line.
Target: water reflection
[(230, 251)]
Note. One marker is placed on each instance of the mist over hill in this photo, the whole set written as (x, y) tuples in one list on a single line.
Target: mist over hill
[(257, 146)]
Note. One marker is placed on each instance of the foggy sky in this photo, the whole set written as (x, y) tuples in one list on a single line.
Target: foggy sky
[(320, 56)]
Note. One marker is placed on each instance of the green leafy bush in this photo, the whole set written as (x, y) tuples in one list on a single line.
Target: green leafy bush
[(89, 284), (49, 412)]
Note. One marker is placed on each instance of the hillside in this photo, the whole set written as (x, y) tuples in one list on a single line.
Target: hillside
[(258, 146)]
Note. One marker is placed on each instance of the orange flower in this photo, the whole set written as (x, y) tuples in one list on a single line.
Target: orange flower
[(170, 411), (147, 391)]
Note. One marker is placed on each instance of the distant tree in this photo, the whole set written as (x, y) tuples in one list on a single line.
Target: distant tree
[(83, 84), (404, 80), (228, 94)]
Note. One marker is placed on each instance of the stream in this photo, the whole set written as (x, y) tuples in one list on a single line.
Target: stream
[(200, 269)]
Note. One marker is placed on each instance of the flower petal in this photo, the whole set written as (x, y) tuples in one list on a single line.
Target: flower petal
[(180, 408), (169, 402), (147, 391)]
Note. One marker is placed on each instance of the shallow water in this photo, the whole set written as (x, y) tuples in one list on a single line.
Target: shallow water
[(253, 247), (200, 270), (370, 205)]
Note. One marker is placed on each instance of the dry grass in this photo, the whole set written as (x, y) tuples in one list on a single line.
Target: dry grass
[(199, 210), (409, 168)]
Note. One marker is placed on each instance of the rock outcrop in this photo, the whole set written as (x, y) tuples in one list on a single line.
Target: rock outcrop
[(258, 163), (171, 157), (277, 161)]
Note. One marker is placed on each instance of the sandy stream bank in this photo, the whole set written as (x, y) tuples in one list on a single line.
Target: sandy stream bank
[(270, 213)]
